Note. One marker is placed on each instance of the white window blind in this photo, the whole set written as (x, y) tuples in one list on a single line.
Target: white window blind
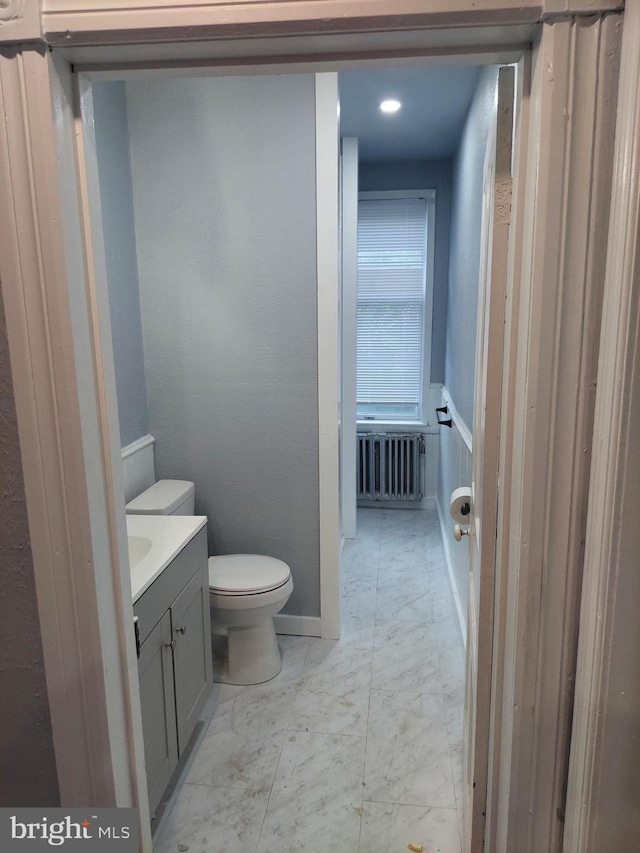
[(391, 294)]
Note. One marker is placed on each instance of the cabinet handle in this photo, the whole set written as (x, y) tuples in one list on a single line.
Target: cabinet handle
[(182, 629), (171, 645)]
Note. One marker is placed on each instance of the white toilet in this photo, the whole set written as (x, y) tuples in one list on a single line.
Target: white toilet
[(245, 592)]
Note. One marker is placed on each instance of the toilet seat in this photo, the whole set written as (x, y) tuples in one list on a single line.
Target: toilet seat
[(246, 574)]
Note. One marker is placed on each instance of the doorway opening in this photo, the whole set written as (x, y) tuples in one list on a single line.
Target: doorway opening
[(193, 362)]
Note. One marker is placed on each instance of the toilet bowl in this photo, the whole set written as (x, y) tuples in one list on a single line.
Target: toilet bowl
[(245, 593)]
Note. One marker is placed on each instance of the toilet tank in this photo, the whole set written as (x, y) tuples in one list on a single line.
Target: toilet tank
[(166, 497)]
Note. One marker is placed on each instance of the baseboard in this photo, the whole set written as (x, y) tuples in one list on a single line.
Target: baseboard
[(301, 626), (462, 622)]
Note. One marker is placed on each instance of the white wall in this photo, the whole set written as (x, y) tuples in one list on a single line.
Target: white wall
[(224, 201)]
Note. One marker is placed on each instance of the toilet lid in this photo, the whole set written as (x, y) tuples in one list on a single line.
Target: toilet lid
[(241, 574)]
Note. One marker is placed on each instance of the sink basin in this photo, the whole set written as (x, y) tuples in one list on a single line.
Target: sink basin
[(139, 547), (154, 541)]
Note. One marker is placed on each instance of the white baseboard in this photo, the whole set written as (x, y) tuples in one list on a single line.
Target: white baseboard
[(301, 626), (462, 621)]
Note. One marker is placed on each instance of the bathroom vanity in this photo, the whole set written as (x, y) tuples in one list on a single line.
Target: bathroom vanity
[(170, 588)]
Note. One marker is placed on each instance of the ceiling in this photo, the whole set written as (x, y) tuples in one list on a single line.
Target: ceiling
[(435, 102)]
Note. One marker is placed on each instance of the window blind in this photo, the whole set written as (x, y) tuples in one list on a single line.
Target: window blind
[(391, 293)]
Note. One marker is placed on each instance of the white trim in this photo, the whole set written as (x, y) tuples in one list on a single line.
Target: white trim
[(327, 254), (349, 304), (428, 195), (495, 245), (300, 626), (445, 525), (603, 786), (69, 22), (463, 429), (556, 336), (87, 643), (105, 432), (33, 279), (427, 330), (508, 459), (138, 444), (391, 426)]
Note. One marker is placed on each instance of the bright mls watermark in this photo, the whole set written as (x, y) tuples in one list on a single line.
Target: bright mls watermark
[(80, 830)]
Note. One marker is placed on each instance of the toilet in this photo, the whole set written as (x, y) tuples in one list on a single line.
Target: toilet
[(245, 593)]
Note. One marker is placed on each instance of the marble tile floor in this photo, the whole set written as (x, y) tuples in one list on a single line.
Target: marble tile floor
[(356, 747)]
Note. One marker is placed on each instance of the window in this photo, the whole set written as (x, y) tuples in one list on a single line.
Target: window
[(393, 304)]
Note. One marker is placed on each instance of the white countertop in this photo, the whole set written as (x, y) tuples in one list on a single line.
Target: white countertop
[(167, 535)]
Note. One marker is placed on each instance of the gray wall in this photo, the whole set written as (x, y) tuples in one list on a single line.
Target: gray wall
[(464, 257), (27, 762), (224, 199), (423, 174), (114, 170)]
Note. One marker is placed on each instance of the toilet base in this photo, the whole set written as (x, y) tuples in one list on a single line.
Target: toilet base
[(252, 655)]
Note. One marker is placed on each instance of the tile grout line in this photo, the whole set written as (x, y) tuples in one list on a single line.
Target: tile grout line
[(383, 525), (366, 739), (446, 717), (284, 737)]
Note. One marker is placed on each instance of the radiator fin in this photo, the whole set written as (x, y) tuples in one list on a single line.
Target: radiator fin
[(389, 467)]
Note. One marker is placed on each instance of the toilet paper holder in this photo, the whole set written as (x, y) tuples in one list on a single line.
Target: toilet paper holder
[(460, 505)]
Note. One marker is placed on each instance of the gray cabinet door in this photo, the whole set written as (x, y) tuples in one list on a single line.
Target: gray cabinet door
[(192, 653), (155, 670)]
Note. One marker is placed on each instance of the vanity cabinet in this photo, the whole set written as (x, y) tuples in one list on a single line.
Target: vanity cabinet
[(174, 665), (157, 700)]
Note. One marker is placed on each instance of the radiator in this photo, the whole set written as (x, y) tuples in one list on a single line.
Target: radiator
[(389, 466)]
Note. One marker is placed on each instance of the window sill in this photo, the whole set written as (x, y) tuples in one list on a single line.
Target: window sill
[(395, 426)]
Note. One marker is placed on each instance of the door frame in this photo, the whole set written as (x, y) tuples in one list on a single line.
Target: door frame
[(348, 337), (69, 460), (603, 788), (503, 147)]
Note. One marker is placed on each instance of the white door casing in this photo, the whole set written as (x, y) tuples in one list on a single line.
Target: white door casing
[(327, 265), (603, 798), (348, 333), (551, 354)]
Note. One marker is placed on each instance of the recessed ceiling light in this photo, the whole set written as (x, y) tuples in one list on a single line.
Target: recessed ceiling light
[(390, 106)]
